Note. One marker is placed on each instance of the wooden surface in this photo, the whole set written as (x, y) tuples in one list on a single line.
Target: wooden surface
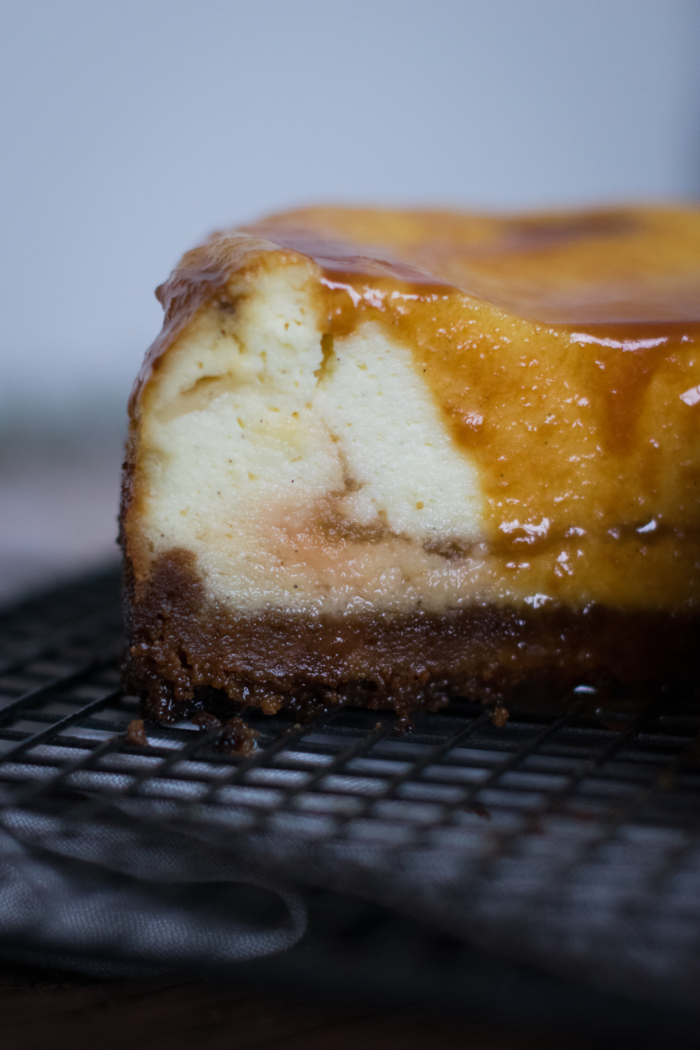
[(43, 1009)]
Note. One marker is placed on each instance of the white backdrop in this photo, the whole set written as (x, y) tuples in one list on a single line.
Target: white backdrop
[(130, 128)]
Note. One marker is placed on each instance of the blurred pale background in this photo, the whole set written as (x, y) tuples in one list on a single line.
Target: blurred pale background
[(130, 128)]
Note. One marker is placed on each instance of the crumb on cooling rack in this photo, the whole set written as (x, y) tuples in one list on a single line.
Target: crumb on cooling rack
[(500, 715), (206, 720), (234, 737), (238, 738), (136, 733)]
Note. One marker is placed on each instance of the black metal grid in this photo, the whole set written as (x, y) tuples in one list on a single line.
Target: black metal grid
[(571, 841)]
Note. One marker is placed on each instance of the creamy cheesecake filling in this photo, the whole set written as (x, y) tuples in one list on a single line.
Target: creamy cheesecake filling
[(337, 446), (309, 472)]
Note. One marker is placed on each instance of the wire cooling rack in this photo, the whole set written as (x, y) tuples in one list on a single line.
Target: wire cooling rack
[(570, 841)]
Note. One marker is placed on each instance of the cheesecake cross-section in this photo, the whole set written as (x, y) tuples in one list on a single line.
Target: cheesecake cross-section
[(379, 457)]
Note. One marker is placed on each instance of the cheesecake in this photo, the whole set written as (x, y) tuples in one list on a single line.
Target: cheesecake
[(383, 457)]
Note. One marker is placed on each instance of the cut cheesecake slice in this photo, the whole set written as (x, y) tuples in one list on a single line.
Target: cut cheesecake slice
[(380, 457)]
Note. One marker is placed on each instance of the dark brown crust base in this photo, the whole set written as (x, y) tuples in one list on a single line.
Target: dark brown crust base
[(181, 652)]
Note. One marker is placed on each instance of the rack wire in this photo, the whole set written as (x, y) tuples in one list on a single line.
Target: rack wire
[(571, 840)]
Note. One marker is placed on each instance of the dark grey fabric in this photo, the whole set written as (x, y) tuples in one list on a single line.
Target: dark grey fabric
[(577, 931), (108, 897), (122, 892)]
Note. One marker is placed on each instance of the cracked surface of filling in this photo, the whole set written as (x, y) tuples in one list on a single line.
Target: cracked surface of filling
[(465, 457)]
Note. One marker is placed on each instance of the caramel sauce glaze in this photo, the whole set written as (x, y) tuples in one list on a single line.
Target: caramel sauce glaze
[(563, 353)]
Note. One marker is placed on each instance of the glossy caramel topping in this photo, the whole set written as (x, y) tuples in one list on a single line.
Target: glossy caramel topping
[(562, 351), (593, 267)]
